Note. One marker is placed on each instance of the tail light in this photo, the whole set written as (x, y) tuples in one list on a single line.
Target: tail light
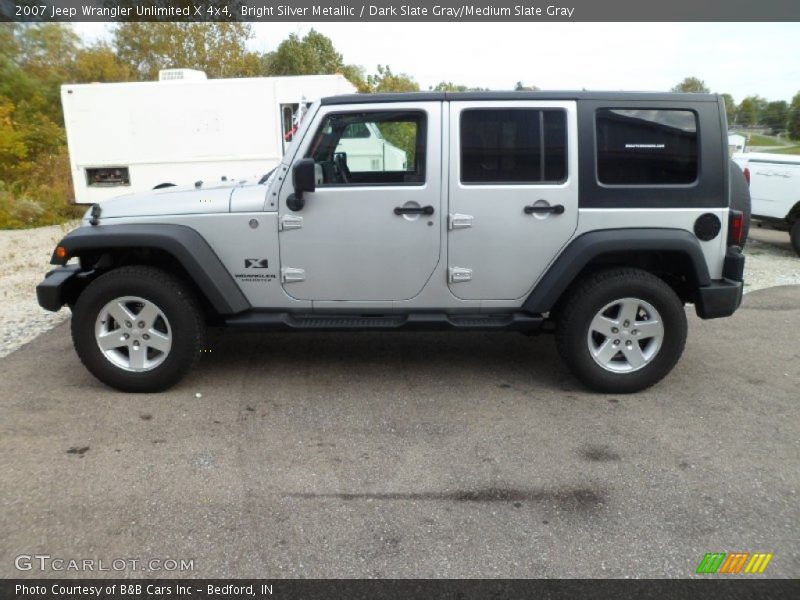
[(747, 175), (736, 228)]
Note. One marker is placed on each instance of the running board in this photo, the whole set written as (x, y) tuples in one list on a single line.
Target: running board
[(270, 321)]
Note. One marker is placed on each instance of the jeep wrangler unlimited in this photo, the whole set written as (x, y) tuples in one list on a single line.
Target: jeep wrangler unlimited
[(596, 216)]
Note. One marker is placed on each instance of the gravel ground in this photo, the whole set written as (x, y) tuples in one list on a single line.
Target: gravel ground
[(27, 256)]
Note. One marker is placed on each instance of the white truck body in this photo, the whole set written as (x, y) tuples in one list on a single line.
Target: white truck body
[(128, 138), (774, 183)]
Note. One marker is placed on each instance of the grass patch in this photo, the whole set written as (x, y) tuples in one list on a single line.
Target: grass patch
[(757, 139), (788, 150)]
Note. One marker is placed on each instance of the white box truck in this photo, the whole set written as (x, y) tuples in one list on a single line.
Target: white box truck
[(127, 138)]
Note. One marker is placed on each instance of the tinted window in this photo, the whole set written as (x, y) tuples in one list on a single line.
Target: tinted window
[(513, 146), (646, 147), (365, 148)]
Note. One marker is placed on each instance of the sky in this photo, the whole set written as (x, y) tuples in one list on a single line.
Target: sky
[(738, 58)]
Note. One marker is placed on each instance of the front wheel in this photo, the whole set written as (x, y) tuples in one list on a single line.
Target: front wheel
[(137, 329), (621, 330)]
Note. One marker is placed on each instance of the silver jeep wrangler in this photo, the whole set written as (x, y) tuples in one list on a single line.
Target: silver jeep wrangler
[(596, 216)]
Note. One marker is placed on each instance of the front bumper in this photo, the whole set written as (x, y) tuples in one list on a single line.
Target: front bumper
[(56, 288)]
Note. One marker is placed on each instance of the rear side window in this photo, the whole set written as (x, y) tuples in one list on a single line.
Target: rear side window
[(646, 147), (513, 146)]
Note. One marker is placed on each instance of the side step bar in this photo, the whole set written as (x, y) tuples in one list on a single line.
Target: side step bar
[(271, 321)]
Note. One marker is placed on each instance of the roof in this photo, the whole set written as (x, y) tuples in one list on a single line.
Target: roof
[(564, 95)]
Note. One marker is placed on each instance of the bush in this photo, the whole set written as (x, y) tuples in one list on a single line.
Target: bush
[(43, 197)]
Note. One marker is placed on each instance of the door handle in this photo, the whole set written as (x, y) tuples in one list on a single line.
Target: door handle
[(421, 210), (556, 209)]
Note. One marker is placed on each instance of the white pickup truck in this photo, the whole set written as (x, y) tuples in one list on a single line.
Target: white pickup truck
[(774, 189)]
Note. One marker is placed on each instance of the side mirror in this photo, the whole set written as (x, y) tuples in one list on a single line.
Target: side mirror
[(304, 180)]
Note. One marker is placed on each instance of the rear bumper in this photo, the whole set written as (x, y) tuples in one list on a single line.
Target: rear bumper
[(54, 290), (720, 299), (723, 296)]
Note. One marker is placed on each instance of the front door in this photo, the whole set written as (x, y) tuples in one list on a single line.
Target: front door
[(513, 194), (371, 229)]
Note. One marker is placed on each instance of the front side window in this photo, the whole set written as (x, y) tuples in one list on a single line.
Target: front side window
[(370, 148), (513, 146), (646, 147)]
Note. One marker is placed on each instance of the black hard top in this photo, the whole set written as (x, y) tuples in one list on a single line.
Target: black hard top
[(567, 95)]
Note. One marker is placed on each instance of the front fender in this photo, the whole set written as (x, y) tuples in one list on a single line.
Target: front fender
[(183, 243)]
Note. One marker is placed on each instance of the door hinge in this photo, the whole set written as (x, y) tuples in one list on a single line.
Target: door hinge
[(290, 222), (459, 221), (459, 274), (290, 274)]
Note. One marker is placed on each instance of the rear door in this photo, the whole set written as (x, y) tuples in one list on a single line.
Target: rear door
[(513, 194), (774, 187)]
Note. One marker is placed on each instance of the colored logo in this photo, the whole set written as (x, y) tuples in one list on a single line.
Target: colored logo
[(734, 562)]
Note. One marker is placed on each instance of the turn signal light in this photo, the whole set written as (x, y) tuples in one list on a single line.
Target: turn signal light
[(736, 228), (61, 252)]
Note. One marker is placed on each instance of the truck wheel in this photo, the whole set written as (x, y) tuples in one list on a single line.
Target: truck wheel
[(138, 329), (621, 330), (795, 236)]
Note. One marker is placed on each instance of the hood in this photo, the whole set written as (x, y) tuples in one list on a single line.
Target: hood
[(184, 200)]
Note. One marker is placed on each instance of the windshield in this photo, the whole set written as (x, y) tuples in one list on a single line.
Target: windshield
[(308, 115)]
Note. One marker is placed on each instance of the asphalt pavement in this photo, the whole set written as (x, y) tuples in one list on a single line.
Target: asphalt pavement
[(409, 455)]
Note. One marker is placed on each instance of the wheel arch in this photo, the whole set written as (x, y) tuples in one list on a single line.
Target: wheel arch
[(176, 248), (674, 255)]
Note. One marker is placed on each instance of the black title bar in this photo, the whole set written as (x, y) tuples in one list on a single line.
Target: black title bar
[(389, 10), (732, 588)]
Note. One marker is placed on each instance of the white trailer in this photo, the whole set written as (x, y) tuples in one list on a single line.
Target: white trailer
[(126, 138), (774, 189)]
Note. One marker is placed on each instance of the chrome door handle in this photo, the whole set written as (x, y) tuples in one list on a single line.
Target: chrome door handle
[(411, 210), (556, 209)]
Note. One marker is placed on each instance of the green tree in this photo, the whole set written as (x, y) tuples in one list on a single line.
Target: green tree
[(691, 84), (385, 81), (794, 117), (12, 143), (313, 54), (449, 86), (749, 110), (730, 108), (521, 87), (100, 63), (775, 115), (219, 49)]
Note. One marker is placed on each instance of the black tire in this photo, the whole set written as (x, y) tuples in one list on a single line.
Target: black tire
[(740, 197), (588, 297), (171, 296), (794, 235)]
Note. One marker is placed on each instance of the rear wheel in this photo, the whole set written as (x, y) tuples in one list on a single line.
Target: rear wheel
[(137, 329), (794, 233), (621, 330)]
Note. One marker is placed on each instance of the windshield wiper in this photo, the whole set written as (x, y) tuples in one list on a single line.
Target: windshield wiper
[(265, 177)]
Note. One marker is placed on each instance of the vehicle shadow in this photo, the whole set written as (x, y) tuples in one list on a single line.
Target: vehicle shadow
[(512, 359)]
